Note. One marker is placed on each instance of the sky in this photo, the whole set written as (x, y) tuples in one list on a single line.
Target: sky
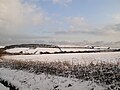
[(59, 20)]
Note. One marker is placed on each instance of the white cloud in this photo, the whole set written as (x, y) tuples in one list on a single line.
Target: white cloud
[(16, 15), (79, 24), (116, 18), (79, 27), (10, 14), (62, 2), (65, 1), (112, 30)]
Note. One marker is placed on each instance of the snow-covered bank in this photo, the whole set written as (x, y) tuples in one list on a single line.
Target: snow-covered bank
[(29, 81)]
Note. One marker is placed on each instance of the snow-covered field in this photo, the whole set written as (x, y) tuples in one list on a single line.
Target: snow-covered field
[(2, 46), (81, 58), (37, 50), (77, 49), (30, 81), (51, 50)]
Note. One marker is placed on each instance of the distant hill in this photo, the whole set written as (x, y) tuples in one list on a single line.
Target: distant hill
[(30, 46)]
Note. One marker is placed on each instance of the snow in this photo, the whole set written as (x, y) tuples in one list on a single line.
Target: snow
[(77, 49), (51, 50), (37, 50), (102, 47), (17, 50), (81, 58), (70, 46), (2, 87), (30, 81), (2, 46)]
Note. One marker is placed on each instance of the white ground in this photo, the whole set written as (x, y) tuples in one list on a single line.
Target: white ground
[(2, 87), (81, 58), (29, 81), (77, 49), (51, 50), (37, 50), (2, 46)]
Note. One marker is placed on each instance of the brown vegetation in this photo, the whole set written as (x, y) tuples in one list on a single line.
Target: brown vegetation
[(102, 73), (1, 52)]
